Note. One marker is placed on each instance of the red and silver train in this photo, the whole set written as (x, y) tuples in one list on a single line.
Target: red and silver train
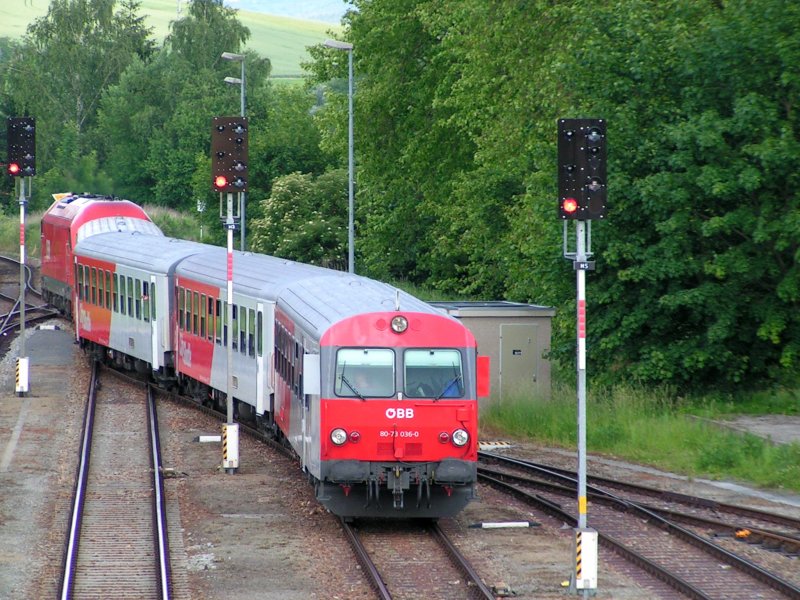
[(375, 390)]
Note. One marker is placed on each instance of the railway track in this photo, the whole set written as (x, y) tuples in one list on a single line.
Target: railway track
[(413, 560), (117, 544), (690, 562)]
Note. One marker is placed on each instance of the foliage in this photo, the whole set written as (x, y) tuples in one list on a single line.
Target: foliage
[(305, 219), (456, 104)]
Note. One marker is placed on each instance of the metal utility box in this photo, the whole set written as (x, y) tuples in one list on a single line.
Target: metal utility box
[(515, 336)]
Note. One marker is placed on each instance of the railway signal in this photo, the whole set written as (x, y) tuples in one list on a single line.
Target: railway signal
[(21, 151), (582, 198), (582, 169), (229, 148)]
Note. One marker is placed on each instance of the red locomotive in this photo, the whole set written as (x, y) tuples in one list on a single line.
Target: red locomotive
[(375, 390)]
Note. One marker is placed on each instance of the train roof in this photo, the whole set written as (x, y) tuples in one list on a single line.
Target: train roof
[(88, 215), (151, 253), (313, 296)]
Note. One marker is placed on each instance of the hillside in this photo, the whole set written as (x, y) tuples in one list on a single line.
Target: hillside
[(281, 39)]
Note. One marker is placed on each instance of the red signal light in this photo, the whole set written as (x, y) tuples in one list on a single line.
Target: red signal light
[(13, 169), (220, 181), (569, 206)]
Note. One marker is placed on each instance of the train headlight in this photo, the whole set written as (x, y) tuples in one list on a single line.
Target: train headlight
[(399, 324), (460, 437), (444, 437), (338, 436), (355, 436)]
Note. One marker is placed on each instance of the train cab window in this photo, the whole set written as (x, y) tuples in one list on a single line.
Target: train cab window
[(115, 294), (251, 332), (432, 373), (364, 372), (122, 295), (130, 297), (146, 300)]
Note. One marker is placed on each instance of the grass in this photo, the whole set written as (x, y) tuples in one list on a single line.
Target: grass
[(281, 39), (651, 427)]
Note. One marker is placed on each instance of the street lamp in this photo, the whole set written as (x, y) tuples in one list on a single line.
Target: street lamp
[(347, 47), (240, 81)]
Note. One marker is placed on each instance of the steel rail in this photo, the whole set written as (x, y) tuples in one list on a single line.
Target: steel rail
[(478, 589), (370, 570), (665, 495), (159, 509), (674, 581), (746, 566), (79, 496)]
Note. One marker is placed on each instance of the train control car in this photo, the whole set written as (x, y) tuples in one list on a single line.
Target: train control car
[(375, 390), (70, 219)]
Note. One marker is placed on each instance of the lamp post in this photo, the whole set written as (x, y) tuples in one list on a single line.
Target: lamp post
[(240, 81), (347, 47)]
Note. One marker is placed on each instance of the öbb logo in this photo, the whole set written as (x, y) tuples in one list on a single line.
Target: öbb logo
[(399, 413)]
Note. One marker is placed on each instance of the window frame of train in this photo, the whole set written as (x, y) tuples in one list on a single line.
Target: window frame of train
[(366, 368), (435, 367)]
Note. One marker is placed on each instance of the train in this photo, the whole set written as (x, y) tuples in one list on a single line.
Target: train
[(374, 390)]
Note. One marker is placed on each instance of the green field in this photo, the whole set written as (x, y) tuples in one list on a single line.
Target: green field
[(281, 39)]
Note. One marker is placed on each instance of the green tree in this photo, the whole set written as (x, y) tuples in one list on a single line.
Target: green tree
[(305, 219)]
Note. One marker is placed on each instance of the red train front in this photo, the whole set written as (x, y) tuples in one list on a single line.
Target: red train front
[(398, 416)]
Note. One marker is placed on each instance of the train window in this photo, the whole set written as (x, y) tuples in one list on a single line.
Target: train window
[(218, 313), (187, 323), (115, 294), (100, 288), (79, 281), (108, 290), (195, 312), (181, 304), (146, 300), (364, 372), (225, 324), (203, 313), (153, 301), (251, 332), (137, 298), (209, 304), (259, 335), (433, 373), (242, 330), (130, 297), (235, 325), (122, 294), (93, 275), (86, 283)]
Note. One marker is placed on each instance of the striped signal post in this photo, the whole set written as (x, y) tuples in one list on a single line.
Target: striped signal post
[(582, 199)]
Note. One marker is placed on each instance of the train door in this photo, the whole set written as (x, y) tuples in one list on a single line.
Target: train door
[(265, 317)]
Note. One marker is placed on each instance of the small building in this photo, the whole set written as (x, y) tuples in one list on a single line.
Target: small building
[(516, 337)]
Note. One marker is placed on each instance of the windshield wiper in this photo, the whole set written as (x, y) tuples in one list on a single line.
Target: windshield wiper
[(455, 380), (351, 386)]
